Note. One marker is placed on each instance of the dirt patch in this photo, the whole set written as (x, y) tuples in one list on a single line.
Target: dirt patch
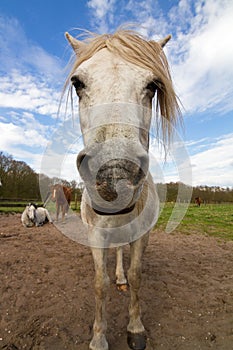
[(47, 297)]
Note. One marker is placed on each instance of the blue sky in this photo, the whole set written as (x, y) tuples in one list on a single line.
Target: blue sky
[(34, 55)]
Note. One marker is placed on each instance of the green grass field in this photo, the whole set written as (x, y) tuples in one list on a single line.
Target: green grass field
[(211, 219), (13, 207), (18, 207), (7, 210)]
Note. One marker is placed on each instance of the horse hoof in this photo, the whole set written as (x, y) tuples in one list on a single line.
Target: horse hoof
[(122, 287), (136, 341)]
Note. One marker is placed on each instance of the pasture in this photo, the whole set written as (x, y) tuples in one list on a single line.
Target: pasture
[(19, 206), (187, 300), (210, 219), (15, 206)]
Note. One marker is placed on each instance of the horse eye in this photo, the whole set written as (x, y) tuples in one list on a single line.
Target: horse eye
[(152, 86), (77, 83)]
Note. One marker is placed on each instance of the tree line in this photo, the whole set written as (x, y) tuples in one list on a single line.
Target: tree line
[(19, 181), (206, 194)]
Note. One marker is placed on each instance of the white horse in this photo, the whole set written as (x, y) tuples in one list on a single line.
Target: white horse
[(116, 78), (35, 216)]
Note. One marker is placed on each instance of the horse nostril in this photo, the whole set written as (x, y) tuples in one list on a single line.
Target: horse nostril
[(81, 156), (144, 163)]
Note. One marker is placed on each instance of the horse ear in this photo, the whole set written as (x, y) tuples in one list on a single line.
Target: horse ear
[(76, 44), (164, 41)]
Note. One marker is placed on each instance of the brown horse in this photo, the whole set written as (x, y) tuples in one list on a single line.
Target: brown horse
[(62, 196), (198, 201)]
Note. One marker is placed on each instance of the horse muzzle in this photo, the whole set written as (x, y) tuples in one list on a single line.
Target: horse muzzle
[(113, 174)]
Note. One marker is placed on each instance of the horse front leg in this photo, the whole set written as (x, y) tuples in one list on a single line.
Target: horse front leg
[(99, 341), (136, 336), (63, 208), (121, 280), (57, 211)]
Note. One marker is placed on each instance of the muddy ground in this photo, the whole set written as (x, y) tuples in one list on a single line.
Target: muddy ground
[(47, 297)]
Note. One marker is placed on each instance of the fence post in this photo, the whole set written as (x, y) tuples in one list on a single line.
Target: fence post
[(75, 200)]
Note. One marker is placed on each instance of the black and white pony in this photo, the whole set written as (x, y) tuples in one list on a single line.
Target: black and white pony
[(35, 216)]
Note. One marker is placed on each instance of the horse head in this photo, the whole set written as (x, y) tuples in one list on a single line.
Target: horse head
[(116, 78), (31, 210), (54, 192)]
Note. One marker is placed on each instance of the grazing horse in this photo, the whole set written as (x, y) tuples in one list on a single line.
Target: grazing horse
[(62, 196), (116, 76), (35, 216)]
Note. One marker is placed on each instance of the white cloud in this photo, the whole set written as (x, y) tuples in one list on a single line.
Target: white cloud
[(207, 161), (214, 166), (28, 92), (18, 52), (22, 133), (14, 135), (103, 13), (29, 76), (202, 56)]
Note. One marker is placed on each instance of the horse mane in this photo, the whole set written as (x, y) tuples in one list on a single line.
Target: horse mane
[(33, 204), (135, 49)]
